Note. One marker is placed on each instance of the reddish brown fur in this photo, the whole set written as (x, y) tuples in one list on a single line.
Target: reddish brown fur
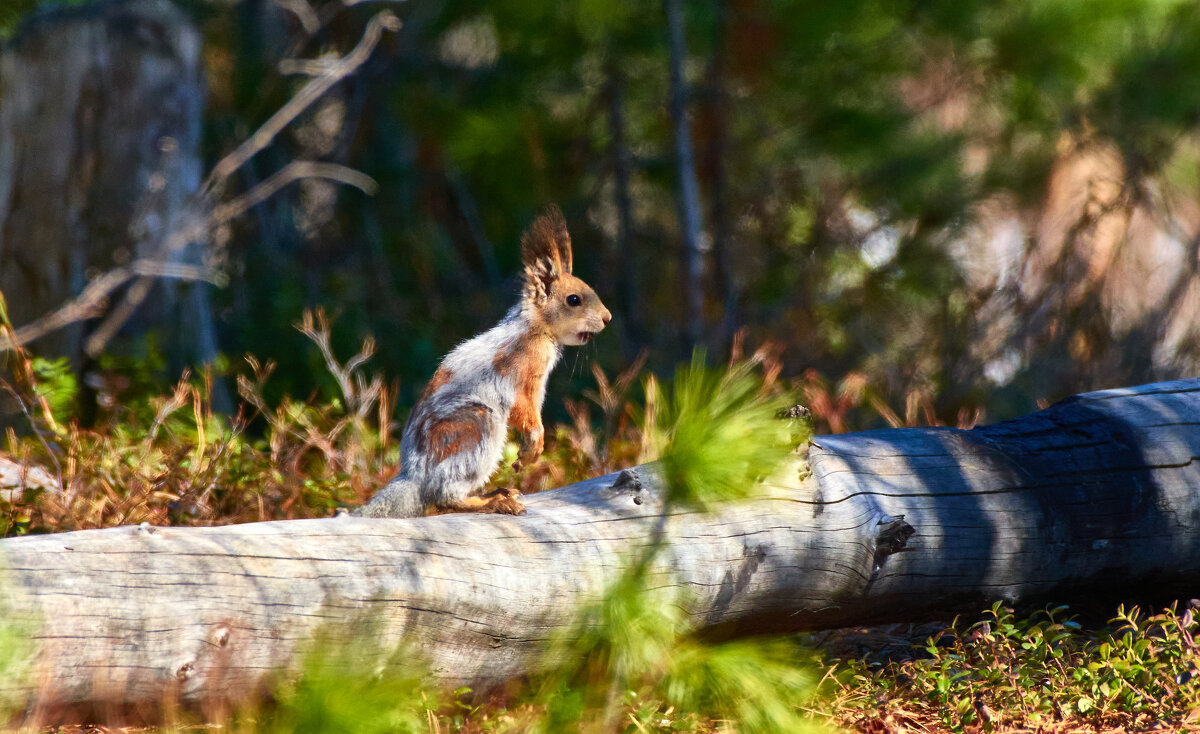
[(546, 253), (548, 238), (440, 378), (446, 435), (525, 364), (505, 363), (526, 411)]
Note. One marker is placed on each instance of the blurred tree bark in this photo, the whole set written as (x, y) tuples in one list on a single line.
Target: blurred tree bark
[(99, 157)]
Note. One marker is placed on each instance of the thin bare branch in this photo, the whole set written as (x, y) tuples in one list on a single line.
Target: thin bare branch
[(304, 13), (305, 67), (288, 174), (94, 298), (309, 93), (117, 316), (154, 268)]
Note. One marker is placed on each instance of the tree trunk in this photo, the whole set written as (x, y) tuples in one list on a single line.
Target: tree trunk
[(1095, 495), (631, 325), (719, 105), (99, 157), (689, 186)]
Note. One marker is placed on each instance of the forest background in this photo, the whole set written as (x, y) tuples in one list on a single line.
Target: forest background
[(964, 206)]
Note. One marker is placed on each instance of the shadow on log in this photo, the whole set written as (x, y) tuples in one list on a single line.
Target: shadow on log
[(1095, 495)]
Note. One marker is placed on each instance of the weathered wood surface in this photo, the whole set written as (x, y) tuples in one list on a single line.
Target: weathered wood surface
[(1093, 494)]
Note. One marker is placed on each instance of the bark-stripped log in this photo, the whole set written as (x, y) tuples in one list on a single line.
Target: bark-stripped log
[(1094, 493)]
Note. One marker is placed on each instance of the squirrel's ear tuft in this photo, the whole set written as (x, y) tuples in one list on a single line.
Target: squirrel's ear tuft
[(546, 251)]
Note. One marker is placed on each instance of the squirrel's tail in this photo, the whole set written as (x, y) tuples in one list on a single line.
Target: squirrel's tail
[(400, 498)]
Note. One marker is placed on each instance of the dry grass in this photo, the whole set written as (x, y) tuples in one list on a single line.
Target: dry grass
[(170, 459)]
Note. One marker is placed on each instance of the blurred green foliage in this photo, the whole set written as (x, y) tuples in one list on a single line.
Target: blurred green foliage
[(351, 686), (715, 433), (17, 653), (635, 649), (58, 385)]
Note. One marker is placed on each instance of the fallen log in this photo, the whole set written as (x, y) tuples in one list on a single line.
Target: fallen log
[(1094, 494)]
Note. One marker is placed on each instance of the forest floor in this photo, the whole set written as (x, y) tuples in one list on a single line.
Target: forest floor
[(169, 459)]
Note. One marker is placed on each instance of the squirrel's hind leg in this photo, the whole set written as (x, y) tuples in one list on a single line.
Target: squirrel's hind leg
[(501, 501)]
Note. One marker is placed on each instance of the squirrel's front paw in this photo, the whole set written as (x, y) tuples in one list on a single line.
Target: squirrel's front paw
[(530, 451), (526, 458)]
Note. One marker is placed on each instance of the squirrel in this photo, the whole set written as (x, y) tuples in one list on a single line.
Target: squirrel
[(454, 438)]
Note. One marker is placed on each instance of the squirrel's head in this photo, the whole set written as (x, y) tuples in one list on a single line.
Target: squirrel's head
[(565, 305)]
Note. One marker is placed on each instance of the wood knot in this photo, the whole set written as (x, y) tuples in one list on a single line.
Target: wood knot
[(221, 635), (796, 412), (627, 480), (185, 671), (892, 535)]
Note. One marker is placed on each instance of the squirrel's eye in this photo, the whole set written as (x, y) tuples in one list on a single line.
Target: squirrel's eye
[(574, 300)]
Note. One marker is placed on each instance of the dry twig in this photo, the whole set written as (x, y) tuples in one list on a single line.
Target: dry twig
[(309, 93)]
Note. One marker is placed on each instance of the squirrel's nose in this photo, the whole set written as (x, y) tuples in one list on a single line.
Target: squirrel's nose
[(606, 317)]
